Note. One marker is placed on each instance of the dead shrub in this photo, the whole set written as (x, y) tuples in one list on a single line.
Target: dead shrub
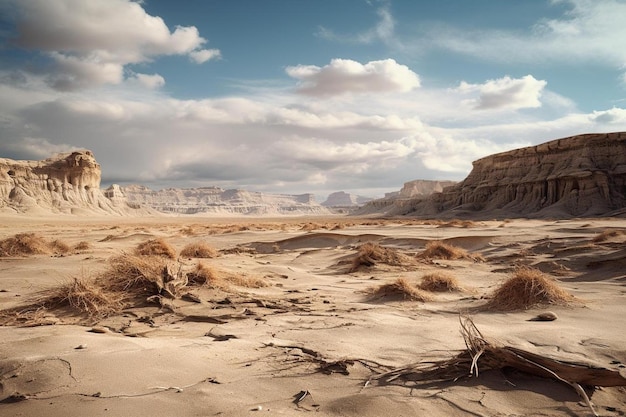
[(84, 296), (458, 223), (400, 289), (59, 247), (205, 275), (24, 244), (156, 247), (369, 254), (527, 288), (439, 282), (198, 250), (440, 250), (188, 231), (134, 275), (607, 234), (82, 245), (245, 280), (308, 227)]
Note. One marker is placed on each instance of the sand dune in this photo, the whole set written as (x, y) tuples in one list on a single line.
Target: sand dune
[(309, 338)]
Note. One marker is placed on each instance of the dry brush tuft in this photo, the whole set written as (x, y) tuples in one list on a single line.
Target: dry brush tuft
[(439, 282), (23, 244), (369, 254), (608, 234), (157, 247), (83, 295), (528, 288), (198, 250), (400, 289), (440, 250)]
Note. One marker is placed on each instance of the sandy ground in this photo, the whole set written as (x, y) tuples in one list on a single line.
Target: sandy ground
[(313, 329)]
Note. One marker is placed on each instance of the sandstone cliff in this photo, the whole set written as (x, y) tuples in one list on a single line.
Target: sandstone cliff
[(343, 199), (67, 183), (215, 200), (411, 191), (578, 176)]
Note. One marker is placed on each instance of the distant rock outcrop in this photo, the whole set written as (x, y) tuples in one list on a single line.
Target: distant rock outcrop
[(215, 200), (67, 183), (410, 191), (343, 199), (419, 188), (578, 176)]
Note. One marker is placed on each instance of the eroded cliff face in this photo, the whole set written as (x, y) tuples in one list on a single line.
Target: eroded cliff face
[(420, 188), (67, 183), (582, 175), (215, 200)]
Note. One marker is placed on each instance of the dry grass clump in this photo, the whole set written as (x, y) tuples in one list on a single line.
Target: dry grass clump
[(439, 282), (129, 280), (245, 280), (608, 234), (157, 247), (310, 227), (134, 275), (198, 250), (31, 244), (440, 250), (188, 231), (210, 277), (85, 296), (527, 288), (400, 289), (458, 223), (369, 254), (205, 275), (82, 245)]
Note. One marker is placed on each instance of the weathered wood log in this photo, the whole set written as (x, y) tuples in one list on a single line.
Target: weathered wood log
[(484, 355)]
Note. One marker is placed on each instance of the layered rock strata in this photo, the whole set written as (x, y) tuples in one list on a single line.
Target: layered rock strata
[(343, 199), (66, 183), (577, 176), (215, 200)]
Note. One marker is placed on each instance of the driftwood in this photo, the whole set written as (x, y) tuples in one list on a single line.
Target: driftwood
[(487, 355)]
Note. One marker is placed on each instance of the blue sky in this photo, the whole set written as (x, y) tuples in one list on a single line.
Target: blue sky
[(295, 96)]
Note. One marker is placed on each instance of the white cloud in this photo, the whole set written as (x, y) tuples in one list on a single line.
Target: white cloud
[(39, 148), (203, 55), (343, 76), (383, 30), (588, 31), (325, 153), (274, 140), (505, 93), (150, 81), (92, 41), (613, 116)]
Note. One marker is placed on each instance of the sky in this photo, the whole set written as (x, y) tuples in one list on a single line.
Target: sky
[(304, 96)]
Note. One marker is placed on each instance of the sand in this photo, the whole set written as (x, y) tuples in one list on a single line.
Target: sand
[(309, 340)]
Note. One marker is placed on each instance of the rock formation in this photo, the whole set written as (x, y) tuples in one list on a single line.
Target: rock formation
[(343, 199), (67, 183), (410, 191), (578, 176), (215, 200), (419, 188)]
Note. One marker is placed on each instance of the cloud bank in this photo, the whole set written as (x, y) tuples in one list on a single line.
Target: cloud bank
[(362, 126), (91, 42), (344, 76)]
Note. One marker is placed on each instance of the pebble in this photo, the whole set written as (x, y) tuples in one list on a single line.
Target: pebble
[(99, 330), (545, 316)]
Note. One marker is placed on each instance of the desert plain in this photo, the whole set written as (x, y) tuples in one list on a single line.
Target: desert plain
[(292, 318)]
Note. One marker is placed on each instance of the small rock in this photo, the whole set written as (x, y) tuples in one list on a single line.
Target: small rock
[(83, 346), (545, 316), (98, 330)]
